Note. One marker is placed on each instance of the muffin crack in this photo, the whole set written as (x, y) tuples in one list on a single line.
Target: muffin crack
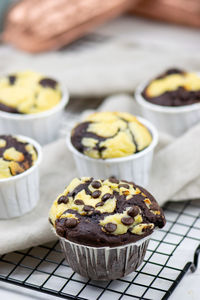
[(131, 133)]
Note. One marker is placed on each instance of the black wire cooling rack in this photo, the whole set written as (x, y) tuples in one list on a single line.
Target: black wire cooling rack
[(44, 269)]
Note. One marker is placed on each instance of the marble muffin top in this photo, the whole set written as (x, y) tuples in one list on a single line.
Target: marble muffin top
[(28, 93), (16, 156), (174, 88), (105, 212), (110, 135)]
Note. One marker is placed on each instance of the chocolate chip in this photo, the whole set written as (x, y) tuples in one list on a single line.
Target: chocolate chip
[(96, 184), (126, 186), (12, 79), (133, 211), (79, 202), (96, 194), (106, 197), (113, 180), (48, 82), (70, 222), (60, 231), (110, 227), (99, 204), (88, 208), (127, 220), (63, 199)]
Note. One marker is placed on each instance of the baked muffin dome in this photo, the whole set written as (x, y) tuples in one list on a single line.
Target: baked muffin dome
[(110, 135), (105, 212), (28, 93), (16, 156), (174, 88)]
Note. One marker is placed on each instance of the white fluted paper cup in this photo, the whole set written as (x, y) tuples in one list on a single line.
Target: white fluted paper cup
[(19, 194), (104, 263), (170, 119), (43, 127), (135, 167)]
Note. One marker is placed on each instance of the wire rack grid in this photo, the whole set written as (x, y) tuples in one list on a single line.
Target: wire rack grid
[(44, 269)]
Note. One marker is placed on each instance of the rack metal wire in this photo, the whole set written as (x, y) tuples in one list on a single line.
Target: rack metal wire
[(44, 269)]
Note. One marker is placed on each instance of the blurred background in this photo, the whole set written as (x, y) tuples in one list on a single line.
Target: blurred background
[(37, 26), (99, 47)]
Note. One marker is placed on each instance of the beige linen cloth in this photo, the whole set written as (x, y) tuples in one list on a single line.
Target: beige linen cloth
[(175, 175)]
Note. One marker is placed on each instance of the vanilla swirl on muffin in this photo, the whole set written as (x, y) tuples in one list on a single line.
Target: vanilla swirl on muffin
[(16, 156), (174, 88), (28, 93), (110, 135), (105, 212)]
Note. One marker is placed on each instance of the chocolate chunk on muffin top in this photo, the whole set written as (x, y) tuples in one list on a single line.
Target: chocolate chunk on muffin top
[(174, 88), (16, 156), (110, 135), (105, 212), (28, 93)]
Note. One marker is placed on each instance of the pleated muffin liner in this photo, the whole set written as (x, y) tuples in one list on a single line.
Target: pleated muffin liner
[(43, 127), (135, 167), (104, 263), (172, 120), (19, 194)]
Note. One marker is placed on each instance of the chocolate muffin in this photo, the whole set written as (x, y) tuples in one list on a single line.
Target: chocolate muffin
[(101, 213), (16, 156), (106, 135), (28, 93), (104, 226), (173, 88)]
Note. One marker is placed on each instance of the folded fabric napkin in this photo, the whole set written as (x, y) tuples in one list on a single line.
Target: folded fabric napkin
[(175, 176)]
